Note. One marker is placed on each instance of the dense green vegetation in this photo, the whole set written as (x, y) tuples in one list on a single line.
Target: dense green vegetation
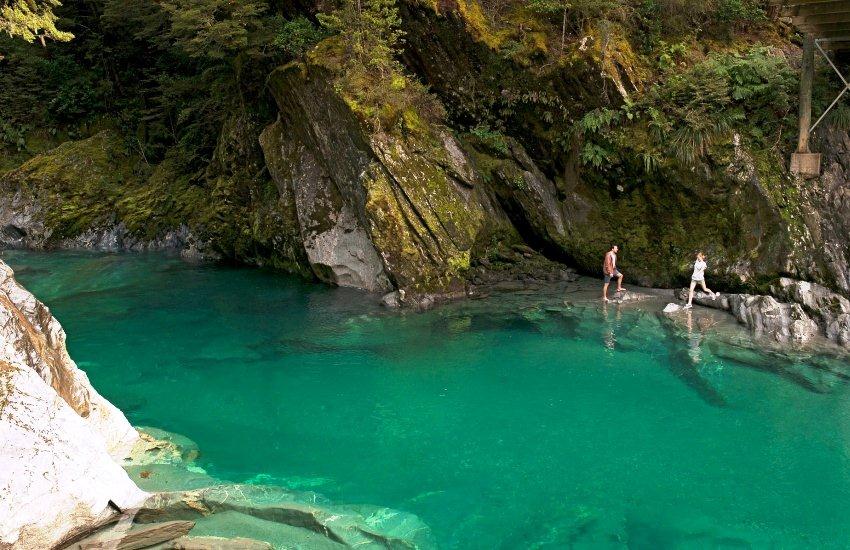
[(169, 73), (628, 94)]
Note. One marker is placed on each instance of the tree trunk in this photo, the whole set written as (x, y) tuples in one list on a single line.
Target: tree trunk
[(564, 28)]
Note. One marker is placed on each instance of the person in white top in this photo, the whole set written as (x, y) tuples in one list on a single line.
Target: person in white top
[(699, 277)]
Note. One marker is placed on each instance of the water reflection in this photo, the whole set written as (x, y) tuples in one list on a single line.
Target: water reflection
[(611, 322)]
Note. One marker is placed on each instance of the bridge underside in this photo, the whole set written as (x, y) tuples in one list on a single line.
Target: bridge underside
[(825, 25), (827, 20)]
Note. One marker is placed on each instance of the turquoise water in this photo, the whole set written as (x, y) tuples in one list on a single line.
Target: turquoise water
[(509, 422)]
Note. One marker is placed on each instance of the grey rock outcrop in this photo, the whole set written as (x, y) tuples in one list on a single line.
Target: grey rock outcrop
[(765, 316), (371, 210), (337, 246), (393, 299), (830, 309)]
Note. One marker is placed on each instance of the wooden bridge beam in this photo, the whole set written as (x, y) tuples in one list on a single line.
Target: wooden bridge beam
[(803, 161)]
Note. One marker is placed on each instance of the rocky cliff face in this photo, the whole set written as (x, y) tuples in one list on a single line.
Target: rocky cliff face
[(431, 208), (60, 441), (381, 210)]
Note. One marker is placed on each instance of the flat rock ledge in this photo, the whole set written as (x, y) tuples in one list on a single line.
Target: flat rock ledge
[(796, 313), (270, 516)]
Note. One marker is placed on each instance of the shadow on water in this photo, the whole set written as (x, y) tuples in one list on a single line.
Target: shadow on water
[(643, 533), (686, 352), (694, 339), (808, 374)]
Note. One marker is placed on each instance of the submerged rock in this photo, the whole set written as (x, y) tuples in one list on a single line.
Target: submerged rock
[(59, 439), (144, 536), (61, 484), (393, 299), (182, 491), (360, 527)]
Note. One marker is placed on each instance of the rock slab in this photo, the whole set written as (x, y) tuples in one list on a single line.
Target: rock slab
[(59, 439)]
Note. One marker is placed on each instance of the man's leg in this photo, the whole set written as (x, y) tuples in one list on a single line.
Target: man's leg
[(619, 282), (605, 292)]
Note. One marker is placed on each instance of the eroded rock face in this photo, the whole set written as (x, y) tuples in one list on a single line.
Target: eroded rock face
[(827, 211), (59, 439), (830, 309), (30, 336), (323, 222), (766, 316)]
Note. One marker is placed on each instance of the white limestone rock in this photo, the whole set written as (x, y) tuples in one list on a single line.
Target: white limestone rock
[(766, 316), (60, 441)]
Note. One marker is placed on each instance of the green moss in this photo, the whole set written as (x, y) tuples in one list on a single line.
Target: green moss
[(423, 225), (77, 183)]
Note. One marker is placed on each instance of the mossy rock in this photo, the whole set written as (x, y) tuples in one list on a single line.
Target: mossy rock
[(77, 184)]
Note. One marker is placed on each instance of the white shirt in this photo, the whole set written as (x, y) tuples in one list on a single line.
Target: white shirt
[(699, 271)]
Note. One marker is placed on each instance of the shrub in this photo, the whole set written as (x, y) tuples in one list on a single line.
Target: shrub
[(296, 36)]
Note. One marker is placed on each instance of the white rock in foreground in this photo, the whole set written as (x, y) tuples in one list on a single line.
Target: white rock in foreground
[(59, 439), (672, 308)]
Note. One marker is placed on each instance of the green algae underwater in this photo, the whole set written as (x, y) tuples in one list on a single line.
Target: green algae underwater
[(513, 421)]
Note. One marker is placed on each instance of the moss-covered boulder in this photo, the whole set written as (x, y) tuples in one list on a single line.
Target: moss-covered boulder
[(373, 207), (61, 193)]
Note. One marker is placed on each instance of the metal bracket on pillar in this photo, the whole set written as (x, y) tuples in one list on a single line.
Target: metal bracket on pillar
[(841, 76)]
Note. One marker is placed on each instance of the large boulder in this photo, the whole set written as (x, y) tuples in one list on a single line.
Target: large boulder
[(60, 441), (322, 224), (374, 209)]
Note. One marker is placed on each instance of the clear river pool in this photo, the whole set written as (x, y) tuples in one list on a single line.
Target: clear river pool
[(520, 420)]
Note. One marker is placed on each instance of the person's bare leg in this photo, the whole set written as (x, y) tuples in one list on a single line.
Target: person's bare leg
[(605, 292), (691, 293), (707, 290), (620, 282)]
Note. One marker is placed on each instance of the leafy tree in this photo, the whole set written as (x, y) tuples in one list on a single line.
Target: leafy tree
[(31, 19), (370, 32), (216, 29), (296, 36), (369, 76)]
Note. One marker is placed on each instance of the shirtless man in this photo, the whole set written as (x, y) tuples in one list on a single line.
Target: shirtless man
[(609, 271)]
